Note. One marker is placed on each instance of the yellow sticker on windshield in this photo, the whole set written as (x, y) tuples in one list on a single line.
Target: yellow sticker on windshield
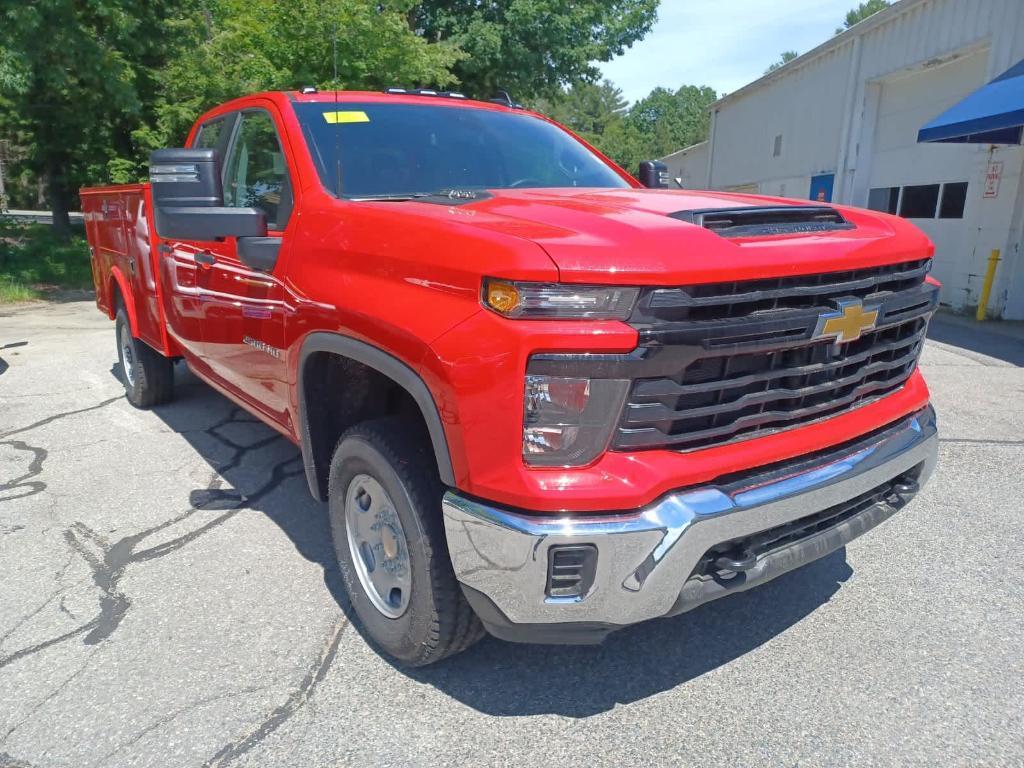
[(346, 117)]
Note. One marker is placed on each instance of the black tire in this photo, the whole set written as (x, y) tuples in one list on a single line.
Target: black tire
[(438, 622), (148, 377)]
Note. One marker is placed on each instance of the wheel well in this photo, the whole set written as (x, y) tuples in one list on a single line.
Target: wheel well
[(116, 298), (339, 392)]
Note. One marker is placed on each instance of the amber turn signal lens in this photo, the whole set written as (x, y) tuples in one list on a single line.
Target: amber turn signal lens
[(502, 297)]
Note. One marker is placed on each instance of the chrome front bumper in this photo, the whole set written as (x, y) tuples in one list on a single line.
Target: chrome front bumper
[(647, 559)]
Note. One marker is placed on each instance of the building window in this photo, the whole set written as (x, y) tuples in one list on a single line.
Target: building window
[(919, 201), (884, 199), (954, 195), (777, 146)]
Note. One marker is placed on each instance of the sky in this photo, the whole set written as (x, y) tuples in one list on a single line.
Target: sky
[(722, 43)]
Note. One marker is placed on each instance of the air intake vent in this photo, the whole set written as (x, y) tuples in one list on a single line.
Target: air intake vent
[(571, 570), (763, 221)]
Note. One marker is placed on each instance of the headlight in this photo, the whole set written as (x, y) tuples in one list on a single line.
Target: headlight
[(558, 300), (568, 422)]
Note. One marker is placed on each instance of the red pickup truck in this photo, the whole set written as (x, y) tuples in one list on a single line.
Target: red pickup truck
[(539, 397)]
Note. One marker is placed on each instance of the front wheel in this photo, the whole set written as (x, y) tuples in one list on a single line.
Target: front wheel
[(148, 376), (385, 509)]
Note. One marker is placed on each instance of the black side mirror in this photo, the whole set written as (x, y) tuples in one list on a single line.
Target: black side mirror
[(188, 200), (654, 174)]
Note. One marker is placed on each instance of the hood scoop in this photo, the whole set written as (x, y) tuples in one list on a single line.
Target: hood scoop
[(761, 221)]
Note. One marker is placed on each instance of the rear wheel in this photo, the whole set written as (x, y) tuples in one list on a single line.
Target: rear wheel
[(148, 376), (385, 510)]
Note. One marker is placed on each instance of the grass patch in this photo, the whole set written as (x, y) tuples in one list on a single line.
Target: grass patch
[(12, 293), (33, 262)]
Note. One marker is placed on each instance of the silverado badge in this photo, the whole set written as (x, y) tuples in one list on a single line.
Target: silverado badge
[(846, 323)]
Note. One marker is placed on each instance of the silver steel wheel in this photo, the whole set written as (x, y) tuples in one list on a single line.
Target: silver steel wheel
[(127, 355), (378, 546)]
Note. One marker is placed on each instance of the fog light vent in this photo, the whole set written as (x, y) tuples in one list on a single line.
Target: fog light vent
[(571, 569)]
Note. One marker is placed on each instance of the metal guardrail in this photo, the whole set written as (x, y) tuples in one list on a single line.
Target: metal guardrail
[(40, 217)]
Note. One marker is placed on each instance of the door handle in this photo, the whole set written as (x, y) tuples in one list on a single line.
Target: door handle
[(205, 259)]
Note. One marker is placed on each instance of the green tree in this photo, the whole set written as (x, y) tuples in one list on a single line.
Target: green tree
[(861, 12), (243, 46), (784, 58), (626, 144), (586, 108), (660, 123), (673, 119), (76, 78), (92, 87), (532, 47), (89, 87)]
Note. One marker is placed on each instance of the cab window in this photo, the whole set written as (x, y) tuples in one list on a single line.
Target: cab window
[(256, 175), (209, 134)]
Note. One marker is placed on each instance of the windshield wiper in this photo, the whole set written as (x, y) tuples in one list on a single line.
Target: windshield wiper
[(450, 196), (390, 198)]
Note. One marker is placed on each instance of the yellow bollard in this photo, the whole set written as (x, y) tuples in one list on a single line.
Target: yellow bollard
[(986, 287)]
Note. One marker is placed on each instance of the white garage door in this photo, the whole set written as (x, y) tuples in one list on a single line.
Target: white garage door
[(934, 185)]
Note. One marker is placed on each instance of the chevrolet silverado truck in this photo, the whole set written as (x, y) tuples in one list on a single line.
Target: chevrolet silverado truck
[(539, 397)]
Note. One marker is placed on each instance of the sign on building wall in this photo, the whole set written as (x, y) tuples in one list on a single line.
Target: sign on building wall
[(993, 176)]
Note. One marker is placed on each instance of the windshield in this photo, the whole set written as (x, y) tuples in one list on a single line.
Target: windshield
[(396, 150)]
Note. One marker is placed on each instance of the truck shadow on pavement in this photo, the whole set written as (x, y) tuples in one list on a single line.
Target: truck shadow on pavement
[(254, 469), (494, 677), (505, 679), (1002, 341)]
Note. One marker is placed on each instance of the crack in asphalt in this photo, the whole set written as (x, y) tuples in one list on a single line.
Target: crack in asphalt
[(56, 416), (108, 561), (49, 697), (174, 715), (6, 761), (26, 481), (39, 454), (59, 592), (296, 699)]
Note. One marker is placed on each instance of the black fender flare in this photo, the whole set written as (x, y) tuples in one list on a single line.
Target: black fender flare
[(388, 365)]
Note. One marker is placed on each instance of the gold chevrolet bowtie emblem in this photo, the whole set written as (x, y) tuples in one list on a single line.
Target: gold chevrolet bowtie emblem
[(847, 323)]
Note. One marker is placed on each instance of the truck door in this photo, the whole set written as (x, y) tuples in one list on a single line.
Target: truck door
[(181, 261), (243, 309)]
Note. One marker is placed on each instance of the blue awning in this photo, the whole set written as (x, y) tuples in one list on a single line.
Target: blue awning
[(993, 114)]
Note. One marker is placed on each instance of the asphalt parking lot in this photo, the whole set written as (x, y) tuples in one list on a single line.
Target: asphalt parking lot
[(168, 597)]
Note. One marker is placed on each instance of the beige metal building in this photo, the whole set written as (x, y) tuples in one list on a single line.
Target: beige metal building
[(840, 123)]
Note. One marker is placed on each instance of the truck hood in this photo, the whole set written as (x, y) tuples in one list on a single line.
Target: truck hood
[(626, 236)]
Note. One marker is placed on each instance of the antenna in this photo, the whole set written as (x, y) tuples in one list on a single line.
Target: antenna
[(334, 55), (337, 126)]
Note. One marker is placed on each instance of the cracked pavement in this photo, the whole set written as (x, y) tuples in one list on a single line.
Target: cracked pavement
[(168, 597)]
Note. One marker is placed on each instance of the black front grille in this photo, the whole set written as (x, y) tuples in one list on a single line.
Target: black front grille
[(717, 301), (755, 368), (721, 398)]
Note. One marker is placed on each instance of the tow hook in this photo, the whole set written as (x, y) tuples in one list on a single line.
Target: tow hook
[(739, 561), (905, 490)]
